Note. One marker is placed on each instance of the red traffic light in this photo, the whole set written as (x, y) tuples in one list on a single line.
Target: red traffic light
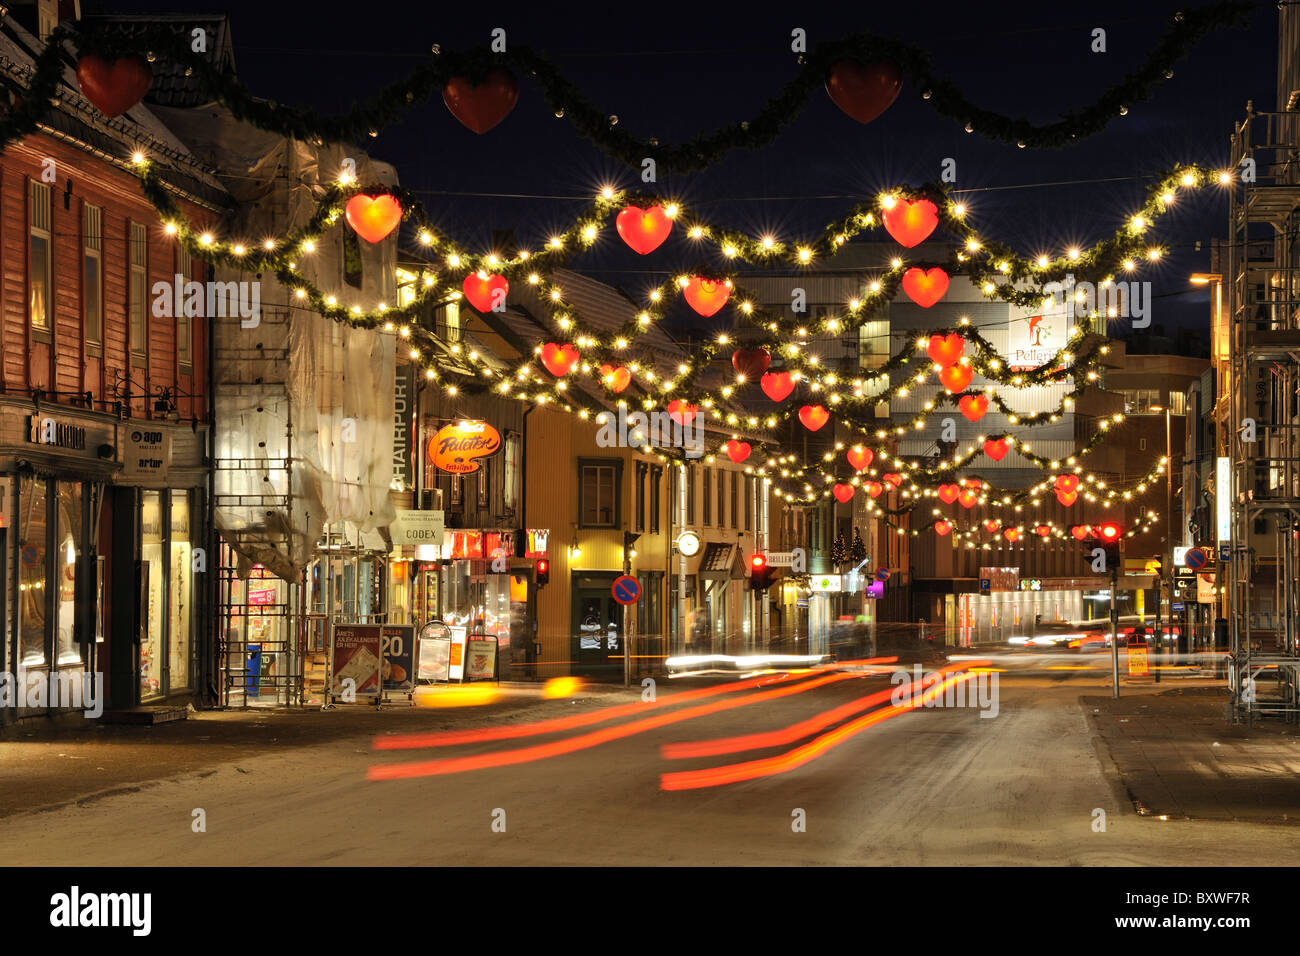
[(758, 562), (1109, 531), (543, 566)]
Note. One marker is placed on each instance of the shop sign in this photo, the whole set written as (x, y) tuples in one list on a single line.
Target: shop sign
[(48, 431), (1000, 579), (261, 597), (397, 642), (1031, 584), (147, 454), (825, 583), (356, 659), (481, 660), (454, 448), (415, 528), (1033, 340), (537, 542), (402, 391), (1205, 589), (1223, 499)]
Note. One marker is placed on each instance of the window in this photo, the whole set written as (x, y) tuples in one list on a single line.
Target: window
[(184, 325), (873, 343), (152, 646), (351, 259), (656, 476), (649, 610), (706, 494), (179, 595), (1142, 444), (457, 491), (33, 544), (735, 502), (92, 277), (510, 483), (749, 502), (640, 495), (1177, 403), (136, 293), (484, 483), (599, 490), (1139, 401), (41, 275), (453, 322), (688, 475)]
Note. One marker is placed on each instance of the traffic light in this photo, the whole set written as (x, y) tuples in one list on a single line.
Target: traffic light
[(543, 572), (760, 575), (1109, 533)]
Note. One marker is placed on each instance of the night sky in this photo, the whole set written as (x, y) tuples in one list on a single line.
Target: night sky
[(673, 71)]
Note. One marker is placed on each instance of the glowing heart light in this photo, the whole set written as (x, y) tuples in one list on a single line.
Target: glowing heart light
[(373, 218), (955, 378), (814, 417), (114, 86), (946, 349), (974, 407), (681, 411), (559, 359), (949, 493), (616, 379), (873, 488), (893, 479), (1011, 534), (1067, 498), (777, 385), (863, 90), (481, 106), (1067, 483), (968, 498), (737, 451), (485, 292), (706, 296), (644, 230), (751, 363), (1081, 532), (942, 528), (925, 288), (1042, 531), (843, 493), (910, 221), (860, 458), (997, 450), (993, 526)]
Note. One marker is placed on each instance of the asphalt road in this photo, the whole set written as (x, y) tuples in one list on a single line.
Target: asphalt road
[(925, 787)]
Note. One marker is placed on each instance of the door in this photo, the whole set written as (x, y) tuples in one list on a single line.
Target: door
[(597, 636)]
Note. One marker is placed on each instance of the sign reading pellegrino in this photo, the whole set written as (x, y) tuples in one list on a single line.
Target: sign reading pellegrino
[(456, 446)]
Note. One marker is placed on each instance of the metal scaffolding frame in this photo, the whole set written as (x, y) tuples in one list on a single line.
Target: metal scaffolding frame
[(1261, 281)]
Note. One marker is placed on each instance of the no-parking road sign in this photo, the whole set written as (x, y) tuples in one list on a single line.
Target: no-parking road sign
[(626, 589)]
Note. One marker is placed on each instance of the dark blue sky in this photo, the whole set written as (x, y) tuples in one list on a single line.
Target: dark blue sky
[(674, 70)]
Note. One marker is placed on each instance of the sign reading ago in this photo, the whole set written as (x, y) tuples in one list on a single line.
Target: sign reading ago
[(454, 448), (146, 453)]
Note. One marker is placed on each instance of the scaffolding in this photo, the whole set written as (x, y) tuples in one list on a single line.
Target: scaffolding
[(1261, 433)]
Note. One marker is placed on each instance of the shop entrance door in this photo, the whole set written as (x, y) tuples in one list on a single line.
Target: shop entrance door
[(597, 635)]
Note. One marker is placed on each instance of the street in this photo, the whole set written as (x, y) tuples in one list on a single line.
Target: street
[(927, 787)]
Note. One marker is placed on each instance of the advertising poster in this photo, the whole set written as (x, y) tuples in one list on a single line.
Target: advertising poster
[(398, 646), (435, 658), (357, 650), (481, 660)]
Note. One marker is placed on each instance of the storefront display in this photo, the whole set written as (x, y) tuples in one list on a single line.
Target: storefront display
[(153, 584)]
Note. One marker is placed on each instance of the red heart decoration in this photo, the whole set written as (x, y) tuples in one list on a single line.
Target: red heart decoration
[(874, 488), (814, 417), (864, 91), (751, 363), (974, 407), (997, 450), (971, 483), (942, 528), (777, 385), (949, 493), (860, 458), (892, 479), (968, 498), (1067, 483), (1042, 531), (681, 411), (1081, 532), (737, 451), (114, 87), (373, 217), (910, 221), (992, 526), (483, 293), (706, 296), (946, 349), (925, 288), (559, 359), (1067, 498), (643, 229), (955, 378), (1011, 534), (843, 492), (616, 378), (481, 106)]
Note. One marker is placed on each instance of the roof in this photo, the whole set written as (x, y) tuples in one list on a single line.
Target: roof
[(171, 87)]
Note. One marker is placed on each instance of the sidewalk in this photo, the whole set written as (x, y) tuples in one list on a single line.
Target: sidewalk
[(46, 764), (1178, 755)]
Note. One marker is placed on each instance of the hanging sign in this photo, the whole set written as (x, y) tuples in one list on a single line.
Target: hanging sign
[(454, 448)]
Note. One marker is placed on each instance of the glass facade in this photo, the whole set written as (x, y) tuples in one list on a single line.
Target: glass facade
[(153, 585), (33, 548)]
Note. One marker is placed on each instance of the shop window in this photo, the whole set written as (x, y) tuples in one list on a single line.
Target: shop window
[(649, 610), (180, 594), (33, 547), (152, 647), (656, 478), (40, 278), (184, 321), (599, 489), (136, 295), (92, 277), (71, 545)]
